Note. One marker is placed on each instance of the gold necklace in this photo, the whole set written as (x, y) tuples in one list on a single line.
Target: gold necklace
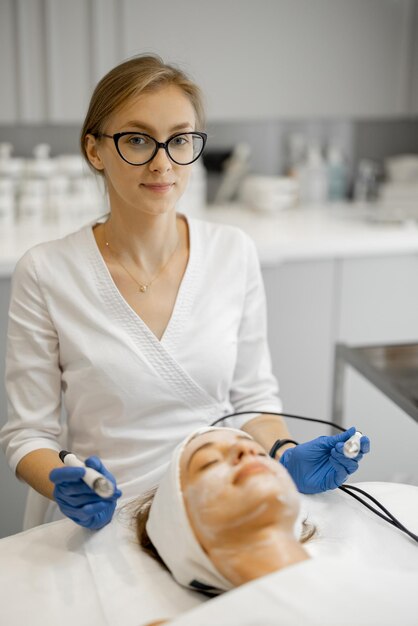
[(143, 287)]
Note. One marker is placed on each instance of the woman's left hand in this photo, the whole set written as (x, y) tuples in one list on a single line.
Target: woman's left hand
[(320, 464)]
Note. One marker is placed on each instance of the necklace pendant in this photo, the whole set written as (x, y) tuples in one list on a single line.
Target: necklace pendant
[(143, 288)]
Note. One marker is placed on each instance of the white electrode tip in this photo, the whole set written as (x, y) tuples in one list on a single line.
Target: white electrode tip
[(103, 487), (352, 446)]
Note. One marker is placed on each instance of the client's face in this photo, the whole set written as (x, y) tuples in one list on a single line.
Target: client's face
[(231, 486)]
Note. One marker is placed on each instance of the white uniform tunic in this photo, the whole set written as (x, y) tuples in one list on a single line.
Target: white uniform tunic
[(128, 397)]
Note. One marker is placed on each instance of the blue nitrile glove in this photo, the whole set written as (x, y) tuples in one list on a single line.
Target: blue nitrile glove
[(320, 464), (80, 503)]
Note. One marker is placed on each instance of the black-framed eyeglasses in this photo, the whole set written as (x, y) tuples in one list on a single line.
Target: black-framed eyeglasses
[(140, 148)]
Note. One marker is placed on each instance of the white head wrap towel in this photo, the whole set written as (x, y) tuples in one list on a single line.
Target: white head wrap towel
[(169, 529)]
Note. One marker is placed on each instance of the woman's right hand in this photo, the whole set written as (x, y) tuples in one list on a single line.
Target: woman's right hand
[(78, 501)]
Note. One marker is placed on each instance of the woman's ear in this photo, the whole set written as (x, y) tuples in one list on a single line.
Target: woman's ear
[(92, 150)]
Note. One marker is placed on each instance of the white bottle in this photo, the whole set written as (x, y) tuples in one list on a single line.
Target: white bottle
[(86, 194), (313, 178), (337, 175), (10, 172), (58, 186), (296, 154), (10, 167), (33, 192)]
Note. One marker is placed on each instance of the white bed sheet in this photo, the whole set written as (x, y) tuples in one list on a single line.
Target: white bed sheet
[(315, 593), (62, 574), (363, 571)]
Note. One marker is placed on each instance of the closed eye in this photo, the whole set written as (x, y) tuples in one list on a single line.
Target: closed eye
[(208, 464)]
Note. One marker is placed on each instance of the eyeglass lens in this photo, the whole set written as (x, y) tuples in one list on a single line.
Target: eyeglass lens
[(138, 148)]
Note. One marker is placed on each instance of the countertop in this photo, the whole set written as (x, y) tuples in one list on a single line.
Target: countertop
[(299, 233)]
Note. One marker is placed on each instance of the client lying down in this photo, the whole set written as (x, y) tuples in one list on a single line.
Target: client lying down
[(224, 514), (227, 508)]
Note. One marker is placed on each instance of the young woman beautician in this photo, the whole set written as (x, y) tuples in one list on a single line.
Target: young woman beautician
[(145, 324)]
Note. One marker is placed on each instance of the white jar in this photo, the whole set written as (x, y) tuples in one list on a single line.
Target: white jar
[(7, 200), (31, 207), (313, 178), (7, 208), (57, 191)]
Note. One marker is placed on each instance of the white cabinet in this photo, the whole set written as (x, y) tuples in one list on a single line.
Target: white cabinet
[(300, 304), (313, 305), (82, 37), (33, 94), (378, 300), (293, 58), (379, 304), (8, 64), (414, 63), (53, 52), (68, 59), (254, 60)]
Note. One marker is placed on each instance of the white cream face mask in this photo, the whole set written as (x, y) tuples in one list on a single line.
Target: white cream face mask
[(170, 530), (219, 508)]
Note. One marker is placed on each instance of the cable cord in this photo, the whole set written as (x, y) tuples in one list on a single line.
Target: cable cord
[(348, 489), (298, 417), (391, 519)]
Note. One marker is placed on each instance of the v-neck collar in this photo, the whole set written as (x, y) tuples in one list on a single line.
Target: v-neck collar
[(116, 303)]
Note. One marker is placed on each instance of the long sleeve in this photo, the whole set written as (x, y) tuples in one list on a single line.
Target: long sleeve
[(254, 386), (33, 377)]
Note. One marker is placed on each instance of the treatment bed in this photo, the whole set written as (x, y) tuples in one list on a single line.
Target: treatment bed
[(363, 572)]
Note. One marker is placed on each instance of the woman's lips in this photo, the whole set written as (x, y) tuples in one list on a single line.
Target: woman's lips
[(159, 188), (248, 469)]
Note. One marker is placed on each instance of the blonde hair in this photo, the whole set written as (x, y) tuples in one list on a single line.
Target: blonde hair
[(138, 75)]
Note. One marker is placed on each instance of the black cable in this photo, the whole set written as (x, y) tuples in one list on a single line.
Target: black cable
[(368, 495), (298, 417), (391, 519), (353, 495)]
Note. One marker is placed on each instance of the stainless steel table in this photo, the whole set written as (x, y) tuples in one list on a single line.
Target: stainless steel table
[(391, 368)]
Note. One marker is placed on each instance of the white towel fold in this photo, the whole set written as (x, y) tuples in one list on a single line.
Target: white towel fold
[(169, 529)]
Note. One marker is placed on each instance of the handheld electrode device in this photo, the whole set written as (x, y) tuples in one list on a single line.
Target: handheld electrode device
[(96, 481), (352, 446), (351, 449)]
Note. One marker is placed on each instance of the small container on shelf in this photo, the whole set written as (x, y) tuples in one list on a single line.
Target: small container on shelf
[(366, 184), (32, 200), (7, 201), (32, 195), (337, 175)]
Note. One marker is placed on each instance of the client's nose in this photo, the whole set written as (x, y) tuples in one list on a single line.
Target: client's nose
[(243, 448)]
